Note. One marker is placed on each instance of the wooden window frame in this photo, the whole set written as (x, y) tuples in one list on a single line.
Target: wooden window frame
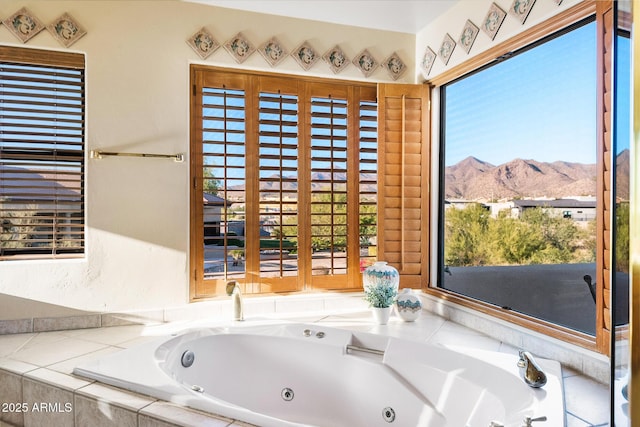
[(306, 88), (602, 10), (42, 154)]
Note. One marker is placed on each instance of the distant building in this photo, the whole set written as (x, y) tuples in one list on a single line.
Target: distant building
[(583, 209), (577, 210), (212, 212)]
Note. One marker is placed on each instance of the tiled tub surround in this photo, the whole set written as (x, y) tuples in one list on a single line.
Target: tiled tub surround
[(36, 368)]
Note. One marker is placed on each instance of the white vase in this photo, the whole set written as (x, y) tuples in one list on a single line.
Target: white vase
[(381, 315), (380, 274), (408, 305)]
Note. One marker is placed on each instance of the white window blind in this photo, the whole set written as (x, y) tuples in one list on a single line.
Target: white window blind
[(42, 117)]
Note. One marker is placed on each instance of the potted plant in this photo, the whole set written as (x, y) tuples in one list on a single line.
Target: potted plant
[(381, 298), (380, 282)]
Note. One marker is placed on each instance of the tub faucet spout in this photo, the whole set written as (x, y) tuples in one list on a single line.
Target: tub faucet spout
[(530, 370), (233, 290)]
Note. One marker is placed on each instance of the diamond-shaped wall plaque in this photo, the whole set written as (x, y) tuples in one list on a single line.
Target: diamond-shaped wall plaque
[(239, 47), (336, 59), (203, 43), (66, 30), (305, 55), (23, 24)]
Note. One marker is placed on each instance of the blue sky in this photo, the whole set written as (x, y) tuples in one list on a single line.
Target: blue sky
[(623, 102), (538, 105)]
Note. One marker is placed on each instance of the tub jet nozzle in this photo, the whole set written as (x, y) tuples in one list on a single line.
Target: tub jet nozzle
[(287, 394), (388, 414)]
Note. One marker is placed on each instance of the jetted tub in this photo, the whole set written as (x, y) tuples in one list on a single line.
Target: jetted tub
[(311, 375)]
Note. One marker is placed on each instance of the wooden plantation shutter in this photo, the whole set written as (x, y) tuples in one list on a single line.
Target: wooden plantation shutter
[(278, 263), (606, 159), (342, 183), (218, 155), (285, 165), (328, 178), (404, 165), (42, 153), (368, 182)]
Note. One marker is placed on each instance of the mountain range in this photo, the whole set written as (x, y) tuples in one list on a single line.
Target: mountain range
[(474, 179)]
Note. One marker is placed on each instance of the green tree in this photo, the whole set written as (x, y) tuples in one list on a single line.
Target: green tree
[(473, 237), (466, 236), (368, 227), (329, 222), (622, 237), (560, 236), (210, 183), (515, 241)]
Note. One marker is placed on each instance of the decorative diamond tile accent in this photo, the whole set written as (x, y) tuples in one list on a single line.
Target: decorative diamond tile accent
[(365, 62), (394, 66), (66, 30), (23, 24), (239, 47), (305, 55), (272, 51), (336, 59), (203, 43)]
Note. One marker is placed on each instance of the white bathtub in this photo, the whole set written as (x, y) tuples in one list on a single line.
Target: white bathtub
[(311, 375)]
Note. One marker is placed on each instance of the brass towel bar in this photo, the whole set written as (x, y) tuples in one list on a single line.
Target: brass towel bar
[(95, 154)]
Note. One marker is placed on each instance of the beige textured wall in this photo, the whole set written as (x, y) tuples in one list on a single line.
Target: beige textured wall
[(137, 73)]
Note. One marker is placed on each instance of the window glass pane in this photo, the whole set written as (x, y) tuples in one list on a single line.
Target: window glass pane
[(620, 348), (368, 183), (622, 182), (223, 173), (278, 187), (328, 186), (519, 181)]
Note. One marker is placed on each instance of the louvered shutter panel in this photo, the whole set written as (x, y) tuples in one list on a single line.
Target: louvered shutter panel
[(278, 187), (403, 206)]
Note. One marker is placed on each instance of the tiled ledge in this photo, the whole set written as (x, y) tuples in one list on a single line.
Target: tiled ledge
[(51, 398), (586, 362), (194, 311), (48, 324)]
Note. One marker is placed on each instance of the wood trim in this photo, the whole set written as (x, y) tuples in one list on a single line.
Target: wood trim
[(278, 76), (23, 55), (562, 20), (195, 164)]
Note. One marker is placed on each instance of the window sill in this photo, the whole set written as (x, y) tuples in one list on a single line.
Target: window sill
[(571, 348)]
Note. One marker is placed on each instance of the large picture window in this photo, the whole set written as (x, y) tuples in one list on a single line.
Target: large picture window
[(518, 183), (41, 154)]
